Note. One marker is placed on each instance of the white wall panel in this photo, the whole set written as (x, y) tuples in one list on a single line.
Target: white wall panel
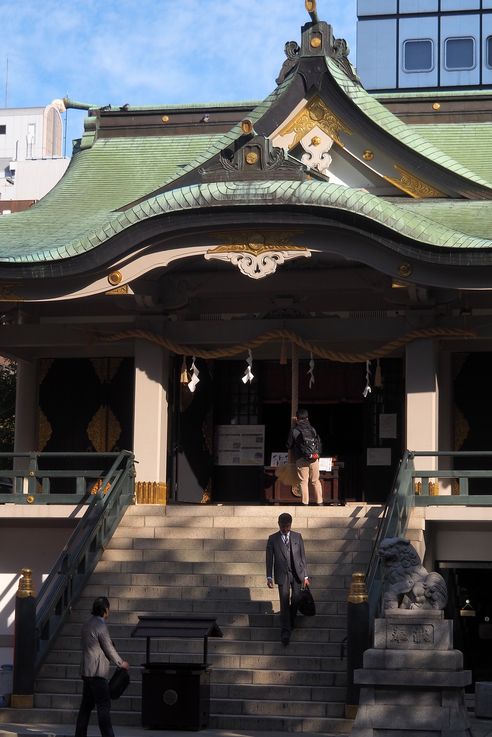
[(377, 70), (419, 6), (413, 29), (376, 7), (460, 26)]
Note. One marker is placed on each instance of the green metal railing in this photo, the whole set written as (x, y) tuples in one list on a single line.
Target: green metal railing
[(52, 478), (403, 497), (107, 489), (80, 555)]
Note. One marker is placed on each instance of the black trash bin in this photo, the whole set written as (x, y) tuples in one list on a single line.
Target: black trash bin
[(176, 695)]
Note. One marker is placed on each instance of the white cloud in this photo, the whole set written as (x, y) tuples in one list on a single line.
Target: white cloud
[(144, 52)]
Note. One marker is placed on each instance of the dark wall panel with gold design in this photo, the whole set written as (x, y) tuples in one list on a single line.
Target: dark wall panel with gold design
[(86, 404), (472, 410)]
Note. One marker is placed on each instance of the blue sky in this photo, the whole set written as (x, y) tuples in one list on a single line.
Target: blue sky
[(145, 52)]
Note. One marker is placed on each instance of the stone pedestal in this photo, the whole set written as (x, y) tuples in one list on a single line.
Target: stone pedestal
[(412, 682)]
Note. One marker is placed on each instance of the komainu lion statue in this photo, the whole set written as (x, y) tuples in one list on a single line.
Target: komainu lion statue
[(408, 585)]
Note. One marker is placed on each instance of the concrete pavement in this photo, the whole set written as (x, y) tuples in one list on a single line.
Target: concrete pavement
[(479, 728)]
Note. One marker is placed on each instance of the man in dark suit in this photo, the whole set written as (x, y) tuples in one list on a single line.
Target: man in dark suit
[(286, 565), (98, 652)]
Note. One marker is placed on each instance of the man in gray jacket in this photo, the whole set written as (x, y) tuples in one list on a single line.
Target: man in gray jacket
[(97, 653)]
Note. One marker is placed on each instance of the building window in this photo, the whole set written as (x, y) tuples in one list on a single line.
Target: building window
[(3, 130), (459, 53), (488, 51), (417, 56)]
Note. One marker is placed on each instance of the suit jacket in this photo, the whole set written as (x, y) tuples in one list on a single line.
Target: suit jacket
[(277, 554), (97, 649)]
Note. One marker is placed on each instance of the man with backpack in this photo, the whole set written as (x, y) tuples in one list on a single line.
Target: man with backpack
[(305, 443)]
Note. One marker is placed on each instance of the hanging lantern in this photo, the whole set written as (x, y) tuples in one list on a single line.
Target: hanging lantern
[(184, 376), (248, 375), (467, 610), (311, 371), (194, 376), (367, 389)]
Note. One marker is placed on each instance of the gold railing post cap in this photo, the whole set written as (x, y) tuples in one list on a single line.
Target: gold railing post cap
[(358, 590), (26, 587)]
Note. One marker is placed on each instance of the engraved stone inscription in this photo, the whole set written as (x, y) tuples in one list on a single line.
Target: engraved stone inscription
[(412, 634)]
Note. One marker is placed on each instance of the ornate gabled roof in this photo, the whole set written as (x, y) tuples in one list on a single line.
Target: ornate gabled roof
[(406, 135), (116, 182)]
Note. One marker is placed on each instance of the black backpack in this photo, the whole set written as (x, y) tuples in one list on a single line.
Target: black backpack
[(308, 443)]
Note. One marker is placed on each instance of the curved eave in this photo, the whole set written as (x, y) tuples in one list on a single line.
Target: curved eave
[(406, 230), (400, 132)]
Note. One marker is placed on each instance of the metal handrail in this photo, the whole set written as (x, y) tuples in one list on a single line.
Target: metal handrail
[(82, 552), (393, 523)]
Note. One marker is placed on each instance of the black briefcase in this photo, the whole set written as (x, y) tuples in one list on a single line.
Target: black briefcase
[(119, 683), (306, 604)]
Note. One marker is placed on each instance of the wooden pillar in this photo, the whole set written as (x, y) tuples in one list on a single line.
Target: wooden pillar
[(422, 400), (26, 407), (151, 412)]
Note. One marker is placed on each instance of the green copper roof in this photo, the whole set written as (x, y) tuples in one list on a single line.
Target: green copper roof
[(468, 143), (223, 141), (92, 202), (73, 236), (464, 216), (405, 134), (99, 180)]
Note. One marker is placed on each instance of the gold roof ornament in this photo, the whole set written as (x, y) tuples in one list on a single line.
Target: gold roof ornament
[(258, 254), (412, 185), (311, 9), (315, 113)]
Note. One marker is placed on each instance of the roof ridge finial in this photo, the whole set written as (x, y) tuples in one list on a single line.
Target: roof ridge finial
[(311, 9)]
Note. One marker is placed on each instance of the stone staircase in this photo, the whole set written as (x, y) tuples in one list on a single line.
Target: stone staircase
[(209, 560)]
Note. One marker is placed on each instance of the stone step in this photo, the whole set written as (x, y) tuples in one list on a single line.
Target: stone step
[(305, 632), (225, 619), (328, 726), (239, 705), (216, 646), (189, 594), (348, 557), (203, 580), (56, 687), (295, 660), (70, 674), (338, 529), (213, 607), (124, 540), (194, 566), (248, 512)]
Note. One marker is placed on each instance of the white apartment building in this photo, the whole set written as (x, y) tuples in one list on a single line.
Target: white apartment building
[(31, 156)]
